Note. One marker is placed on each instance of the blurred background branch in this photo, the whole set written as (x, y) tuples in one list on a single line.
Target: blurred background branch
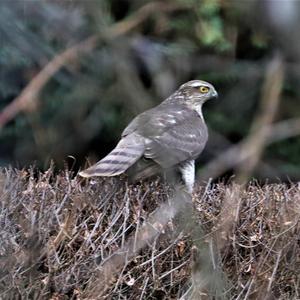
[(232, 158), (259, 131), (245, 156), (26, 100)]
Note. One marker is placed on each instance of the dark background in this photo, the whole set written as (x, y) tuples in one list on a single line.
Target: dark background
[(81, 110)]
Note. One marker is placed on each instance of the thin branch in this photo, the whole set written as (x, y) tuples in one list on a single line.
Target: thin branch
[(274, 270)]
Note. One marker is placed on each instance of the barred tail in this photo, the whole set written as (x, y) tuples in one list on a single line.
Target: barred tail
[(126, 153)]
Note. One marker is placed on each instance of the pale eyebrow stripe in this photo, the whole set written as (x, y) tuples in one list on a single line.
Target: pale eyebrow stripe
[(195, 84)]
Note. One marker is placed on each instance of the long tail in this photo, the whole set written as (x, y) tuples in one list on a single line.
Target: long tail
[(126, 153)]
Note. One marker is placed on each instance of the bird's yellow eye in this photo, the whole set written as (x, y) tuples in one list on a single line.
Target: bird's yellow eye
[(204, 89)]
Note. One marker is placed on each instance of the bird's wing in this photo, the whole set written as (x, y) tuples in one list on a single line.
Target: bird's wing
[(182, 138), (173, 134), (127, 152)]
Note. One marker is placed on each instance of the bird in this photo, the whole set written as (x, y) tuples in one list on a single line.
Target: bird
[(166, 138)]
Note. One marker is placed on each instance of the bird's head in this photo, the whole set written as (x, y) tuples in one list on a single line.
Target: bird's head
[(197, 92)]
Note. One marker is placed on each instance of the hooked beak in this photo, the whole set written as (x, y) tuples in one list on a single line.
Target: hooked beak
[(214, 94)]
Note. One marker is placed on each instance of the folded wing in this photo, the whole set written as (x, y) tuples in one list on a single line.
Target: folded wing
[(178, 135), (173, 135)]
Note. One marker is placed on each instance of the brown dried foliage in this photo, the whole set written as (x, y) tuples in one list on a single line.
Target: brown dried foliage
[(58, 234)]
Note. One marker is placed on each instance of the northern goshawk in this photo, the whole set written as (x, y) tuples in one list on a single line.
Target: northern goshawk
[(167, 137)]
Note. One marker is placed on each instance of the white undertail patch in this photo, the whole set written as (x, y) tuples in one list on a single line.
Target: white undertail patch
[(187, 170)]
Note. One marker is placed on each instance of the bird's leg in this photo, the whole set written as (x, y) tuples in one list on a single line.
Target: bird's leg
[(187, 170)]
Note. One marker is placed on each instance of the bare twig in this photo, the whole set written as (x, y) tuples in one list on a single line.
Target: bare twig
[(138, 241), (274, 270), (262, 248)]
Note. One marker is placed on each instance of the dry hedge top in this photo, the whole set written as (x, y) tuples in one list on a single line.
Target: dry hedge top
[(64, 238)]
